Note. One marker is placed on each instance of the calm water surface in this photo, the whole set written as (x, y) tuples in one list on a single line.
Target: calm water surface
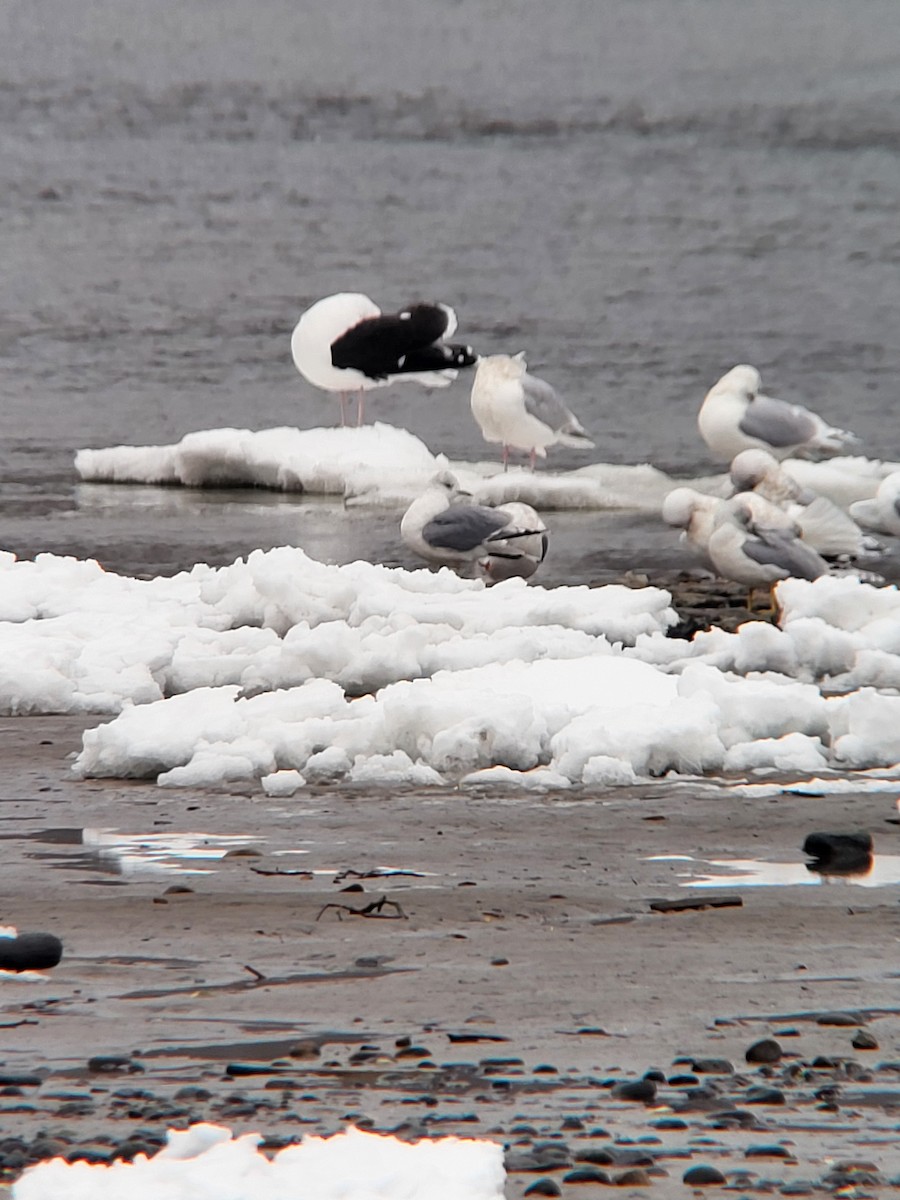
[(640, 194)]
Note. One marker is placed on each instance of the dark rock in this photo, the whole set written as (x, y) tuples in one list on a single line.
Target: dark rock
[(572, 1123), (839, 1018), (636, 1177), (670, 1123), (413, 1052), (596, 1156), (764, 1095), (192, 1091), (13, 1160), (712, 1066), (641, 1090), (30, 952), (839, 853), (765, 1051), (683, 1080), (655, 1074), (20, 1079), (586, 1175), (701, 1175), (864, 1040), (773, 1151), (543, 1187), (46, 1147), (546, 1069)]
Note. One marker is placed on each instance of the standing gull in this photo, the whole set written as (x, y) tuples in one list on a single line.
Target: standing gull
[(520, 411), (345, 344), (736, 416), (444, 528), (745, 549)]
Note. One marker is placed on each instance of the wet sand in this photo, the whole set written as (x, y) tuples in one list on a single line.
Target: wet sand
[(514, 974)]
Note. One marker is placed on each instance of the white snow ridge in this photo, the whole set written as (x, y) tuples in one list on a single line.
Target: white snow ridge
[(284, 670), (204, 1161)]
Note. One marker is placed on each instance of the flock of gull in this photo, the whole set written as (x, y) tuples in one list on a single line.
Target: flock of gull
[(770, 528)]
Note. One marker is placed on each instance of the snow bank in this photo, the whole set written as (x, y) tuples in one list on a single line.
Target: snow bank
[(206, 1163)]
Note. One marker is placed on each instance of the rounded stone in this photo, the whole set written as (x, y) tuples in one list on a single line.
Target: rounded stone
[(543, 1187), (30, 952), (702, 1176), (863, 1040), (767, 1050), (642, 1091), (586, 1175)]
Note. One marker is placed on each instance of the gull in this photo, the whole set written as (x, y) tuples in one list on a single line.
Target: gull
[(694, 513), (520, 411), (736, 416), (882, 512), (823, 525), (345, 343), (747, 549), (443, 527)]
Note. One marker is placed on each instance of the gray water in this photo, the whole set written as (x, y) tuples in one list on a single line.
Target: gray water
[(639, 193)]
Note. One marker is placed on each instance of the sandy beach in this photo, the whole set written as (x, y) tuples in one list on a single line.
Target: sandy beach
[(514, 975)]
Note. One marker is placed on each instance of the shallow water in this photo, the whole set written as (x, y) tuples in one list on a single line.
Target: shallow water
[(640, 194)]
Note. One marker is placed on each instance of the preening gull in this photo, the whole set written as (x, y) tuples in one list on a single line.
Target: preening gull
[(745, 548), (823, 525), (345, 343), (521, 412), (736, 416), (882, 513), (444, 528)]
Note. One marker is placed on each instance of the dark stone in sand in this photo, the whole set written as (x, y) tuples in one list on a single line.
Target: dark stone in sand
[(670, 1123), (20, 1079), (546, 1069), (701, 1175), (765, 1051), (543, 1187), (636, 1177), (839, 853), (46, 1147), (839, 1018), (864, 1040), (192, 1091), (712, 1066), (132, 1147), (596, 1156), (413, 1052), (764, 1095), (655, 1074), (586, 1175), (683, 1080), (537, 1160), (30, 952), (572, 1123), (641, 1090), (13, 1160), (772, 1151), (89, 1154)]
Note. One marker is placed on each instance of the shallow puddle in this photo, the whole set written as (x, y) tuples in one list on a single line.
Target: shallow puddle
[(882, 870), (110, 852)]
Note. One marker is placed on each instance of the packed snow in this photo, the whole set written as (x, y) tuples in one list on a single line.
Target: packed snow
[(206, 1161), (287, 671)]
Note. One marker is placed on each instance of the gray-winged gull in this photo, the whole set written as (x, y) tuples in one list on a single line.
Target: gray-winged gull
[(823, 525), (443, 527), (345, 343), (518, 556), (518, 411), (882, 512), (742, 547), (736, 416)]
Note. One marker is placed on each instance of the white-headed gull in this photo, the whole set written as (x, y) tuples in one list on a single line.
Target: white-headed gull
[(521, 412), (882, 513), (345, 344), (736, 416), (694, 513), (823, 525), (519, 554), (445, 528), (745, 548)]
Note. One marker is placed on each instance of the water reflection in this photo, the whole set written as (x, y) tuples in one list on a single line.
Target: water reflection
[(882, 870)]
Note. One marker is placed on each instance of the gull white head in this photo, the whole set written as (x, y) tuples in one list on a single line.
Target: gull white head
[(751, 467)]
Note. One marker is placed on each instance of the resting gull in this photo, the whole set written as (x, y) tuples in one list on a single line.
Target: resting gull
[(346, 344), (736, 416), (745, 548), (882, 512), (520, 411), (824, 526), (443, 527), (694, 513)]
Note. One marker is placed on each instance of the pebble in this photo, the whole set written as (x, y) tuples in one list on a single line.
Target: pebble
[(20, 1079), (30, 952), (772, 1151), (636, 1177), (764, 1095), (586, 1175), (765, 1051), (702, 1175), (712, 1066), (543, 1187), (641, 1090), (839, 1018), (112, 1062), (864, 1040)]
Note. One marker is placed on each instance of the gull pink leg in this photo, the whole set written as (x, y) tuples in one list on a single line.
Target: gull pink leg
[(342, 397)]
